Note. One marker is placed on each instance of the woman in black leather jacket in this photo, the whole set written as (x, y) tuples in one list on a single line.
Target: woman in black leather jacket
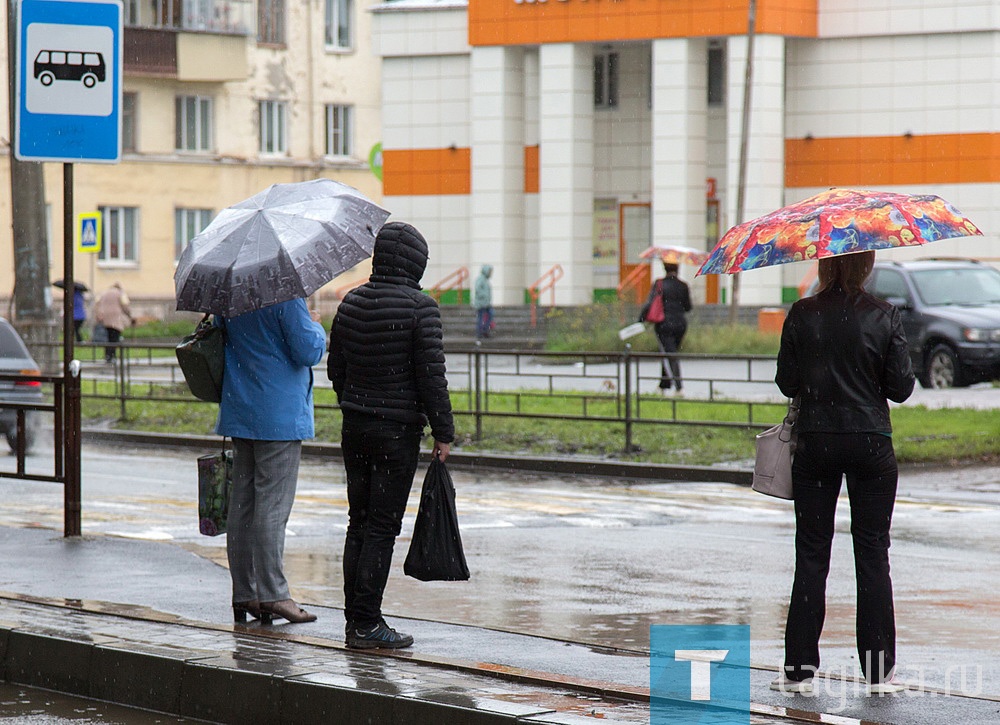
[(843, 352)]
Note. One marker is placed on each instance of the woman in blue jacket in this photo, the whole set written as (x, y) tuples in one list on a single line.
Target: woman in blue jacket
[(267, 409)]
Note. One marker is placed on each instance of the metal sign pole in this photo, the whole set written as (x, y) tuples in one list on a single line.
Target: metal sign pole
[(71, 372)]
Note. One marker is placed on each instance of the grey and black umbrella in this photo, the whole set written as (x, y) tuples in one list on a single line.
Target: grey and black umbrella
[(281, 244)]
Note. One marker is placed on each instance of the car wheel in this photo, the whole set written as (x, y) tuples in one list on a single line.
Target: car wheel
[(90, 80), (943, 369), (31, 424), (46, 78)]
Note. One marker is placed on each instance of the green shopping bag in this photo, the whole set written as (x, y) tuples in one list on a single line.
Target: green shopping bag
[(215, 485)]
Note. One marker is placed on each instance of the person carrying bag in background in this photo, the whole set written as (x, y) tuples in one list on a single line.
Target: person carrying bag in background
[(669, 299)]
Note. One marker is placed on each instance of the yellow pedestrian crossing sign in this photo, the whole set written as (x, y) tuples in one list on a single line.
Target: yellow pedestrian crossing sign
[(88, 232)]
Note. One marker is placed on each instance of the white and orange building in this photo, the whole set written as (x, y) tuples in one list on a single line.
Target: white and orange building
[(533, 133)]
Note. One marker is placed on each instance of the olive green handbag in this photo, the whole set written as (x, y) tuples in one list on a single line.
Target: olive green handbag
[(202, 357)]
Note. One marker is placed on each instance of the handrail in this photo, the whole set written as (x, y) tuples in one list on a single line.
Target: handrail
[(546, 282), (454, 280), (631, 282)]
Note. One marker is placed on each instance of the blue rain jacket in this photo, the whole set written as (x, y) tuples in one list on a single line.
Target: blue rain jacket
[(267, 387)]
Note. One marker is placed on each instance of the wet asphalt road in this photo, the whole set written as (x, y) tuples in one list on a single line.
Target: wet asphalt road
[(599, 561)]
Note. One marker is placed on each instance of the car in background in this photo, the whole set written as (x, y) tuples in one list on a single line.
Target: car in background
[(15, 359), (950, 310)]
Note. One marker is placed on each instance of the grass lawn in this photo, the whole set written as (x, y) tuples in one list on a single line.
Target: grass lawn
[(921, 435)]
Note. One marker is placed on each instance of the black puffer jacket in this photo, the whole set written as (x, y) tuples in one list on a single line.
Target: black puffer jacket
[(844, 355), (386, 354)]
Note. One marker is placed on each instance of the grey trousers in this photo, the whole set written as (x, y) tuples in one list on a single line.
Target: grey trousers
[(264, 477)]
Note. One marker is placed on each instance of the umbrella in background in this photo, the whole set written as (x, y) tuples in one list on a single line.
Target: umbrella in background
[(280, 244), (674, 254), (78, 286), (838, 221)]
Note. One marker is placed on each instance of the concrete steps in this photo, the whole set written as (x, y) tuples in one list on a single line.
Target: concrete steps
[(513, 328)]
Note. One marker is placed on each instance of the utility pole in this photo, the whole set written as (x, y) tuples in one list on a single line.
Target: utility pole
[(31, 296), (741, 183)]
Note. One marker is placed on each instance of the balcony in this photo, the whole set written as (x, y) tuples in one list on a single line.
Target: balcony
[(189, 40)]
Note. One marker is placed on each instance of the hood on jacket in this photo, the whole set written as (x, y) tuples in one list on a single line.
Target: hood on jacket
[(487, 270), (400, 251)]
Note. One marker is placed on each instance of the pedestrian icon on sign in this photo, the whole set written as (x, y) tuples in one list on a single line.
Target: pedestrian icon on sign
[(89, 231)]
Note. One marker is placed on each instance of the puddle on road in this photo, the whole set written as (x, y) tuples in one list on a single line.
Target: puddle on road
[(28, 706)]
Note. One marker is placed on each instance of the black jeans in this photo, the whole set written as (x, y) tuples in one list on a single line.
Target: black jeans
[(380, 458), (114, 336), (869, 462), (669, 334)]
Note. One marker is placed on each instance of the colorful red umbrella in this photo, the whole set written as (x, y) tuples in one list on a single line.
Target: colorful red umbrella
[(675, 254), (838, 221)]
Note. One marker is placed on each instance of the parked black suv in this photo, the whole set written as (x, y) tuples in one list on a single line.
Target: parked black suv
[(951, 314)]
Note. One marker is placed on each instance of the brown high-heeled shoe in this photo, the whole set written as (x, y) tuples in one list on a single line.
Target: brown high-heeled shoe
[(286, 609), (242, 609)]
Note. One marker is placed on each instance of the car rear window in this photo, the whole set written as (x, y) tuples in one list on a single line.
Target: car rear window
[(978, 286), (10, 343)]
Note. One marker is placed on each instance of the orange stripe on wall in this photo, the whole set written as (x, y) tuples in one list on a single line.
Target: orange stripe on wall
[(426, 172), (531, 169), (508, 22), (971, 158)]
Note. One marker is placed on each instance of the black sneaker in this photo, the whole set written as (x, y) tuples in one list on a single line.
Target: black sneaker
[(379, 636)]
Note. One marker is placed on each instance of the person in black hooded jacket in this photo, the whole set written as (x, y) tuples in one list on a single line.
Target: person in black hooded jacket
[(387, 366)]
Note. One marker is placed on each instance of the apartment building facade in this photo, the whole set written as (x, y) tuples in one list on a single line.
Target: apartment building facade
[(528, 134), (221, 99)]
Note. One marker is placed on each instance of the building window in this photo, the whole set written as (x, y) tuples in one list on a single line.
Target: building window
[(273, 127), (193, 128), (271, 22), (188, 223), (130, 9), (339, 132), (606, 80), (121, 234), (338, 24), (129, 121), (716, 76)]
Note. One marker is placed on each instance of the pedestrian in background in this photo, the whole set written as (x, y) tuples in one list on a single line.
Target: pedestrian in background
[(482, 300), (79, 313), (112, 311), (267, 409), (676, 300), (843, 353), (387, 366)]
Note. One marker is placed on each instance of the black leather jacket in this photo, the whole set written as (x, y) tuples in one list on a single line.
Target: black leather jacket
[(676, 301), (844, 355)]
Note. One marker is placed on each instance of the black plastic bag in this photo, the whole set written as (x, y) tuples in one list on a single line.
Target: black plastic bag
[(436, 552)]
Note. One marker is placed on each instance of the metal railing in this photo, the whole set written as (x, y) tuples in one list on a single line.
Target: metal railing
[(610, 388), (52, 401), (456, 280), (546, 282), (630, 288)]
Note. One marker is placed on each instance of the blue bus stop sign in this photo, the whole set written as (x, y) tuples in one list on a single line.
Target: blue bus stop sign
[(69, 80)]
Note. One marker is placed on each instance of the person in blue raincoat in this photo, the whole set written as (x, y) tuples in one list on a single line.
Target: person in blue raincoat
[(267, 409)]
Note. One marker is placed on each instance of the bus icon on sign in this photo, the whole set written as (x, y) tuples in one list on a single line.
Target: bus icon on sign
[(69, 65)]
